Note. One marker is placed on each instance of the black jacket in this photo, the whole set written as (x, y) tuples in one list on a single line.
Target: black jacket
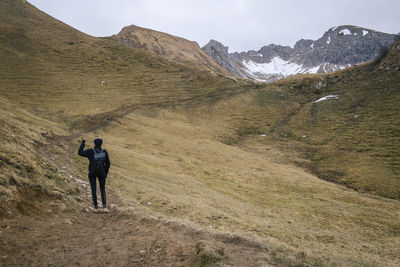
[(89, 153)]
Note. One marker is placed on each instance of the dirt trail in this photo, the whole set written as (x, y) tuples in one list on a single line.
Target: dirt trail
[(66, 233), (123, 237)]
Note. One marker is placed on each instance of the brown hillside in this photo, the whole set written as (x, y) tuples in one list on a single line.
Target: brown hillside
[(170, 46)]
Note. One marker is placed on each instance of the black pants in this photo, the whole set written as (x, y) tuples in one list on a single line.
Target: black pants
[(102, 182)]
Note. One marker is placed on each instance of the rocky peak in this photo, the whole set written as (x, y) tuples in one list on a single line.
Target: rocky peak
[(215, 45), (219, 53), (349, 30)]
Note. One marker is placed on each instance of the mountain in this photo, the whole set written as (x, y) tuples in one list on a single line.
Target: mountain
[(169, 46), (339, 47), (205, 171)]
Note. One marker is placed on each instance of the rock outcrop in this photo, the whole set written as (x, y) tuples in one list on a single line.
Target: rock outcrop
[(219, 53)]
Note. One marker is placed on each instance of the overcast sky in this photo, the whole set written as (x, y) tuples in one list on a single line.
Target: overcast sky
[(240, 24)]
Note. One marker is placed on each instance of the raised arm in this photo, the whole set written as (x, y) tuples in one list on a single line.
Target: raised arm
[(81, 152)]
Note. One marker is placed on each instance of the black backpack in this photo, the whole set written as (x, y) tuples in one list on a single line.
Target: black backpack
[(98, 160)]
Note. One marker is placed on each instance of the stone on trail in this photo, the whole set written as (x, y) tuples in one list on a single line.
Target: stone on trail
[(105, 210)]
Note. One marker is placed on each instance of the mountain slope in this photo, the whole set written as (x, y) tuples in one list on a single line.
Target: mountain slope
[(79, 74), (339, 47), (340, 126), (171, 47)]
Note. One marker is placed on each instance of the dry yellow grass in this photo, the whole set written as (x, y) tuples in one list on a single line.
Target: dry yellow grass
[(26, 177), (173, 164)]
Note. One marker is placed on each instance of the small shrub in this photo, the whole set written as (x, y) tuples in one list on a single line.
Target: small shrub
[(209, 252)]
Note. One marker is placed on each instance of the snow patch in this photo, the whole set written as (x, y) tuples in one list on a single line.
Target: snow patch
[(326, 98), (324, 68), (345, 32), (312, 70), (345, 66), (312, 45), (329, 40), (277, 66), (364, 32)]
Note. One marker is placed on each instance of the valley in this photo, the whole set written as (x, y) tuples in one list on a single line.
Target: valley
[(207, 169)]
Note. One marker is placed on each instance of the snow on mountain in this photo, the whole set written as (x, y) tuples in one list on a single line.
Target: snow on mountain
[(277, 66), (345, 32), (338, 48)]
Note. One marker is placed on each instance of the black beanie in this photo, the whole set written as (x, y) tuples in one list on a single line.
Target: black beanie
[(98, 141)]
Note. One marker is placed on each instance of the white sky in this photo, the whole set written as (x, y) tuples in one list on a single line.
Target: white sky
[(240, 24)]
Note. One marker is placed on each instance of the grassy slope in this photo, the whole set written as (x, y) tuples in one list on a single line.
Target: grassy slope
[(202, 160), (175, 165), (353, 140), (45, 59)]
